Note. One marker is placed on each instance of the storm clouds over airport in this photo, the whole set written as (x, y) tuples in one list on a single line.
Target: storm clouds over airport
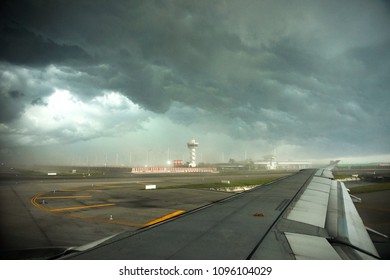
[(130, 81)]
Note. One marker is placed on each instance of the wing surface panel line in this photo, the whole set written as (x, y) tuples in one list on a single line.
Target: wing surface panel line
[(280, 215)]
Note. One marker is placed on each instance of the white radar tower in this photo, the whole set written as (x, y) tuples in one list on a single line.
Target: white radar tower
[(192, 145)]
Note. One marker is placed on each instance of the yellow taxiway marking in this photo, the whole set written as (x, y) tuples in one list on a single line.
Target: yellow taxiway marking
[(63, 211), (93, 219), (81, 207), (65, 196), (163, 218)]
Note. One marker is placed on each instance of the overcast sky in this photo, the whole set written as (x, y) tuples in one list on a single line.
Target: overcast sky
[(131, 82)]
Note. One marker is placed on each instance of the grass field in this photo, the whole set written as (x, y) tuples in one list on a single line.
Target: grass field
[(370, 188), (257, 182)]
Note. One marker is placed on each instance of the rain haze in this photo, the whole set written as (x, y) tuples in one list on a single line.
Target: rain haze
[(131, 82)]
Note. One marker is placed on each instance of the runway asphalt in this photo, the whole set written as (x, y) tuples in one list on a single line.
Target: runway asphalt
[(51, 213), (374, 211)]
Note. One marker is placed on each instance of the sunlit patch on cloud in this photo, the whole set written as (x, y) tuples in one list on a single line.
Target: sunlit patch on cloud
[(65, 118), (116, 101)]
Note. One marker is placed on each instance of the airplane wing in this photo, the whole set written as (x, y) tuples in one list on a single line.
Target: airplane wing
[(307, 215)]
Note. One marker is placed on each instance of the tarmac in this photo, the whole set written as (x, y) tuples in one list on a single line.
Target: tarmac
[(374, 211), (62, 213)]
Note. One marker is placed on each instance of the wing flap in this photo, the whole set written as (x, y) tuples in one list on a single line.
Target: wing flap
[(311, 207), (308, 247)]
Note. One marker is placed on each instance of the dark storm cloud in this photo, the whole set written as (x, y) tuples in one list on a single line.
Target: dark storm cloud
[(179, 39), (10, 105), (38, 101), (277, 70), (20, 46), (374, 63)]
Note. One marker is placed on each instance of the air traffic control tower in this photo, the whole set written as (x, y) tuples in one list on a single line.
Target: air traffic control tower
[(192, 145)]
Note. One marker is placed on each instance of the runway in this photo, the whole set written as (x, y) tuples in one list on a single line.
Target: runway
[(61, 213), (374, 211), (52, 213)]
